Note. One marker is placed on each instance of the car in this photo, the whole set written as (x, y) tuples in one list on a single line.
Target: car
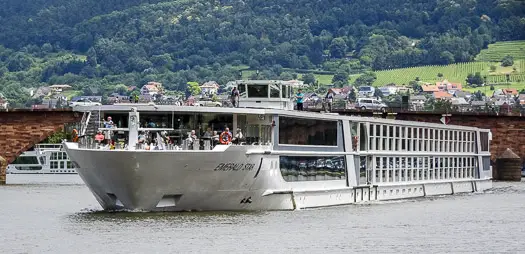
[(83, 102), (208, 103), (369, 103)]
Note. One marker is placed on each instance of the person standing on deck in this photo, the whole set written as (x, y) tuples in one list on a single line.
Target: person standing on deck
[(235, 97), (329, 99), (299, 97)]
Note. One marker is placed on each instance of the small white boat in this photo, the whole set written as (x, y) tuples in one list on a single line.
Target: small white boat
[(42, 159)]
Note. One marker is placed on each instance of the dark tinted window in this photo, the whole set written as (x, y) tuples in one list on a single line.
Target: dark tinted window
[(312, 168), (25, 160), (294, 131), (257, 91)]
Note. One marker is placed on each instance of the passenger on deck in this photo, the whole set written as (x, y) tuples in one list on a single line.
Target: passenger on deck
[(299, 97), (151, 124), (192, 137), (235, 97), (238, 137), (208, 134), (109, 123), (99, 138), (328, 100)]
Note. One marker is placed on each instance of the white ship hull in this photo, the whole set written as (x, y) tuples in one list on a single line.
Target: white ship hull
[(195, 180)]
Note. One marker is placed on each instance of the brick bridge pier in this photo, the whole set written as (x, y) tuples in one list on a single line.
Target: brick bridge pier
[(21, 129)]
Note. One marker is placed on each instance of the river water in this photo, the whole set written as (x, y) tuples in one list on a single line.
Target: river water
[(63, 217)]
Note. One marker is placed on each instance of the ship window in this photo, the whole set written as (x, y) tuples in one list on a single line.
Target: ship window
[(62, 164), (295, 131), (242, 91), (53, 164), (54, 156), (257, 91), (312, 168), (26, 160), (275, 91), (69, 165), (484, 139)]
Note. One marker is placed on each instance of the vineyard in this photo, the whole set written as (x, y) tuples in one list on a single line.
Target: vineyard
[(452, 72), (498, 50)]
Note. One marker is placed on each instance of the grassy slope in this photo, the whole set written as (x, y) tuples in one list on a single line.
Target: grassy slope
[(498, 50), (458, 72)]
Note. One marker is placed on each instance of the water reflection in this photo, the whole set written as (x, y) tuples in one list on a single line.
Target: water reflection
[(312, 168)]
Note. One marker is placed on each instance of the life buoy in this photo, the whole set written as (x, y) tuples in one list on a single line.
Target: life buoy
[(74, 135), (225, 138)]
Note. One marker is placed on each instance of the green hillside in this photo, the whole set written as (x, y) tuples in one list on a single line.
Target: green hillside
[(495, 52), (93, 43)]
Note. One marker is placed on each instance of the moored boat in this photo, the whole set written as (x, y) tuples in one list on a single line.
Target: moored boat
[(42, 159), (169, 158)]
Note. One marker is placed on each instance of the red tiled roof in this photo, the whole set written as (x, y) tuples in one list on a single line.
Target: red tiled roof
[(429, 88), (441, 95), (512, 91)]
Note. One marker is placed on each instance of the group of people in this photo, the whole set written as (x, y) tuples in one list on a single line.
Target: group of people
[(328, 100), (106, 137), (226, 137)]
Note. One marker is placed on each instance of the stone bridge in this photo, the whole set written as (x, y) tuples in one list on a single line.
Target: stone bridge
[(22, 129)]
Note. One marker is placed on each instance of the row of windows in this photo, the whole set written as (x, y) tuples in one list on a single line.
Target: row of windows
[(59, 156), (61, 164), (402, 138), (404, 169), (312, 168)]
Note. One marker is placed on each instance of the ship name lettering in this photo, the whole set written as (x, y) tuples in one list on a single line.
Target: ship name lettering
[(234, 167)]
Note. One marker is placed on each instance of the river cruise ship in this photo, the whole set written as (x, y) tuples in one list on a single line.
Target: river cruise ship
[(263, 155), (42, 159)]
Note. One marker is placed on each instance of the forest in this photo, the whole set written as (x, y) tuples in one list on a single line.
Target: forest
[(88, 43)]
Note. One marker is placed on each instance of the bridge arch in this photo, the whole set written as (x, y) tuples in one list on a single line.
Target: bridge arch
[(22, 129)]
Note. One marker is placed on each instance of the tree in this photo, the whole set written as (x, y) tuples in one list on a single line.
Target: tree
[(440, 75), (338, 47), (366, 79), (493, 68), (308, 78), (475, 79), (507, 61), (415, 86), (340, 79), (194, 88)]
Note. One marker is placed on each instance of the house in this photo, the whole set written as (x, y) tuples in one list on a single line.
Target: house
[(510, 91), (430, 89), (42, 92), (454, 87), (90, 98), (3, 103), (151, 88), (460, 103), (388, 90), (417, 102), (59, 88), (442, 95), (209, 88), (448, 86)]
